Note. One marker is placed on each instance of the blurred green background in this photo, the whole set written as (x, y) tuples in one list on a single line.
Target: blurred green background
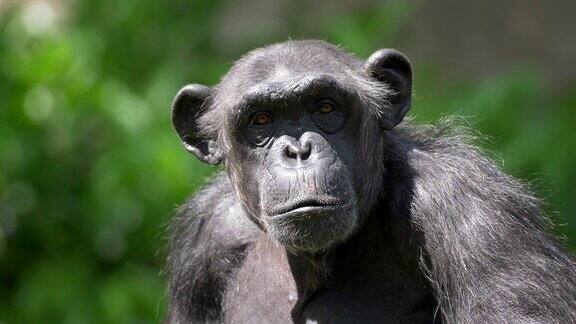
[(91, 170)]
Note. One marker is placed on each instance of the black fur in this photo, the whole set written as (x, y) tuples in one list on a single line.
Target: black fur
[(448, 238)]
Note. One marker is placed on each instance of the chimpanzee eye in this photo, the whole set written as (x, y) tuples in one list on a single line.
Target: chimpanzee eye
[(328, 116), (261, 119), (325, 107)]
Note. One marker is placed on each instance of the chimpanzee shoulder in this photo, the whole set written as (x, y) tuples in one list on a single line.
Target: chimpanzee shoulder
[(489, 251), (209, 236)]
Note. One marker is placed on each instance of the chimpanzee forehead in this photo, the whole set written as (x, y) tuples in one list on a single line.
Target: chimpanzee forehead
[(287, 62), (293, 57)]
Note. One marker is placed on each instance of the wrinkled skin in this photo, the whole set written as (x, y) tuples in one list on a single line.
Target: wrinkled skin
[(301, 165)]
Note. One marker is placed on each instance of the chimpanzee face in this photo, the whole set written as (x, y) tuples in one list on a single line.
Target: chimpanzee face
[(296, 143), (301, 134)]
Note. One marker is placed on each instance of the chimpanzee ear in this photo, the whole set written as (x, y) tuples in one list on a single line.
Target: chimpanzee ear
[(186, 108), (391, 67)]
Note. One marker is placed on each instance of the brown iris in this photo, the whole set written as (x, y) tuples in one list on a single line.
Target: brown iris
[(261, 119), (325, 108)]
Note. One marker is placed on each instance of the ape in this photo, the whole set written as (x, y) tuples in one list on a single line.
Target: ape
[(330, 210)]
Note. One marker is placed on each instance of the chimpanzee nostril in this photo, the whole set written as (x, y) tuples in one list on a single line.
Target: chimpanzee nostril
[(289, 152), (295, 150)]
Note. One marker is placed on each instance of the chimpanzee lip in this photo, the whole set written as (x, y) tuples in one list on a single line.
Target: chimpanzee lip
[(306, 206)]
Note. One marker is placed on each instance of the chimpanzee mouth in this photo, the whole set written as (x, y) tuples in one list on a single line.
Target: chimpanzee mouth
[(307, 206)]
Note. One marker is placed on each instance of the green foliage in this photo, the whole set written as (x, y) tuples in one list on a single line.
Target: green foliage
[(90, 169)]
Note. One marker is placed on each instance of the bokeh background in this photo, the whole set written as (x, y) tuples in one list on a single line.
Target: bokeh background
[(91, 170)]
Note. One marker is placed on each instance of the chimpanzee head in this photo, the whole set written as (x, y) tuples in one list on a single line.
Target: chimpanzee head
[(301, 129)]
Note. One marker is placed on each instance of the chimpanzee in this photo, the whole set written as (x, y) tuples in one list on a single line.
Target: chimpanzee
[(331, 209)]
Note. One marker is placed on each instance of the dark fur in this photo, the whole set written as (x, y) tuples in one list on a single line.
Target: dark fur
[(449, 238)]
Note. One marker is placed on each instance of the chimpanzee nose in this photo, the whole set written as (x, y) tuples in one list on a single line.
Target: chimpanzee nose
[(297, 150)]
